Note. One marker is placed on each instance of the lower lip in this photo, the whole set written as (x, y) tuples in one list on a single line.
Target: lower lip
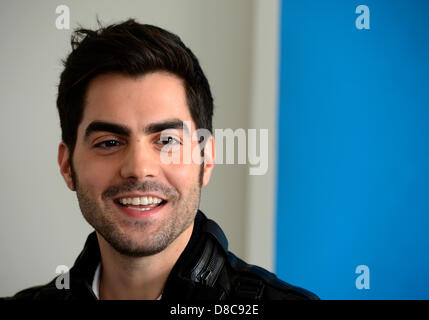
[(137, 214)]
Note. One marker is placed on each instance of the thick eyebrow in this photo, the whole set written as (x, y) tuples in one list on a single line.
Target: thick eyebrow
[(97, 126), (168, 124)]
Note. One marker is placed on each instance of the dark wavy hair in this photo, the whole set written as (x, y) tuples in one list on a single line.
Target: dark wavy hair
[(132, 49)]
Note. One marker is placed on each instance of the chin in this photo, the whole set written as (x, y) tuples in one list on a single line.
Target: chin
[(137, 243)]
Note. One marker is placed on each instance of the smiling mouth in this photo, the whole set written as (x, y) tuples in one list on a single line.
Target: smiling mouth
[(140, 204)]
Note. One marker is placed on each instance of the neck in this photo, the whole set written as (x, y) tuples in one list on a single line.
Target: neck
[(137, 278)]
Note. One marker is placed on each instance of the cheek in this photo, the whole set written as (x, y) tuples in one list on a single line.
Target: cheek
[(93, 176), (182, 176)]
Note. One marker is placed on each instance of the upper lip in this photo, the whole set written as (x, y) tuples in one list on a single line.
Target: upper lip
[(139, 195)]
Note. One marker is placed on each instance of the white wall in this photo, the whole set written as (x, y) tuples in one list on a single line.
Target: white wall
[(42, 226), (261, 196)]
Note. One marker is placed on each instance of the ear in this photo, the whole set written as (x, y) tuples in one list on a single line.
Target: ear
[(209, 160), (64, 163)]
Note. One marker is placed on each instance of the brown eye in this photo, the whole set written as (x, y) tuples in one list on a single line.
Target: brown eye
[(107, 144), (168, 140)]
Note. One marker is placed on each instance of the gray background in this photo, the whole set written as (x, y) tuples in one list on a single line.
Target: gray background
[(41, 225)]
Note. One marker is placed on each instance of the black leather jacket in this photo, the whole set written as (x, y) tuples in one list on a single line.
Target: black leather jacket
[(205, 271)]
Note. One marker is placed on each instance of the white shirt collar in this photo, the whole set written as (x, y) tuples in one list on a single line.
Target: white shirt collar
[(96, 282)]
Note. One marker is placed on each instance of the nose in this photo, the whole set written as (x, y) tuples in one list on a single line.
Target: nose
[(140, 162)]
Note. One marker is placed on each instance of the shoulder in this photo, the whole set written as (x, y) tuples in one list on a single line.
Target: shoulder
[(41, 292), (240, 280), (253, 282)]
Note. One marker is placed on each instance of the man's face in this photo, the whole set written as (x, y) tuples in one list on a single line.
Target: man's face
[(137, 202)]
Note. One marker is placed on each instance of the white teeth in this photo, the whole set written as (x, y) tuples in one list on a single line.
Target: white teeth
[(140, 201), (142, 209)]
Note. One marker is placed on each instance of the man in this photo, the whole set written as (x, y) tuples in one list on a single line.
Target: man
[(130, 98)]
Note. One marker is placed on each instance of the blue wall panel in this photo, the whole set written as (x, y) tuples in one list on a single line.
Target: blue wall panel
[(353, 165)]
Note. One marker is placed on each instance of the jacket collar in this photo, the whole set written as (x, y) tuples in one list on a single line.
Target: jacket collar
[(86, 263)]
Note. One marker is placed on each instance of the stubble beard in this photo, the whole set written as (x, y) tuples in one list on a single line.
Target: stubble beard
[(108, 223)]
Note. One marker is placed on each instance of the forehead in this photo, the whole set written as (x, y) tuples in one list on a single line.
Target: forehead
[(135, 102)]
